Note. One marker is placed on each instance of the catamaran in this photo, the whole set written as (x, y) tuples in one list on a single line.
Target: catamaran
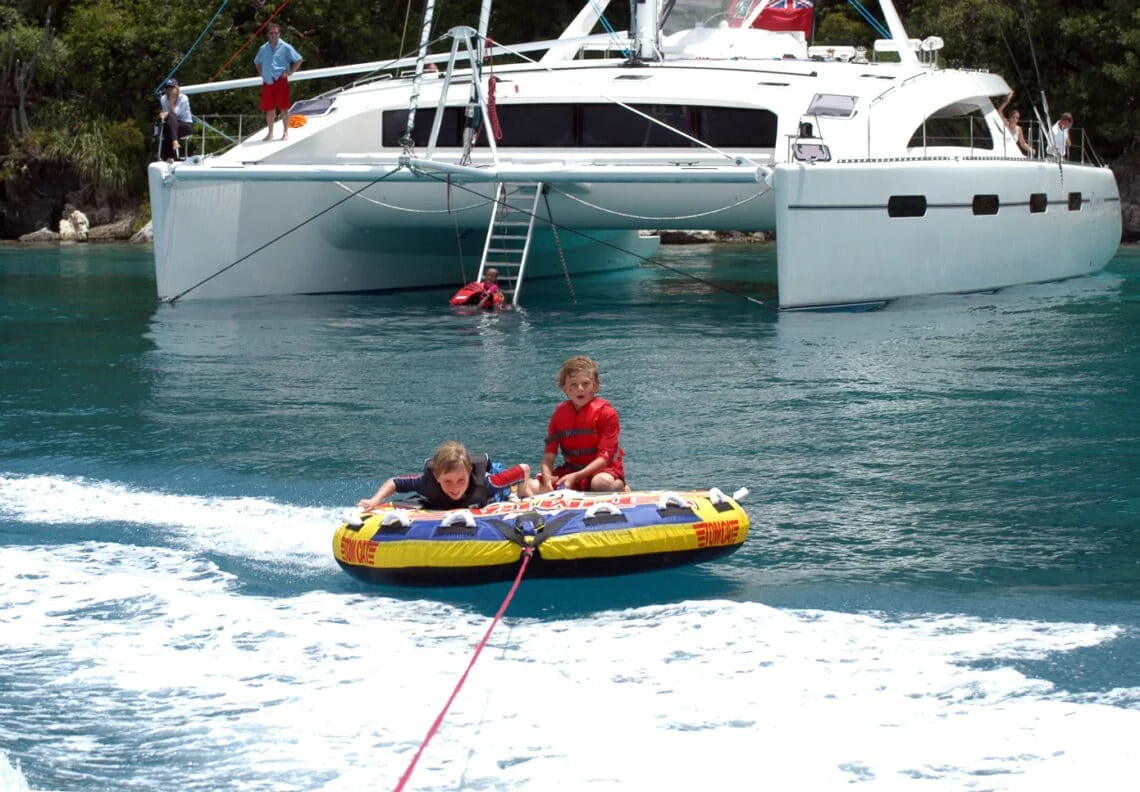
[(881, 179)]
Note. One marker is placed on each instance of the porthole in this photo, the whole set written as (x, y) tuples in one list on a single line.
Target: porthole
[(986, 204), (907, 206)]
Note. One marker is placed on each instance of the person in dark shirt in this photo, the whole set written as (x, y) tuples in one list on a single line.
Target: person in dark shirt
[(456, 479)]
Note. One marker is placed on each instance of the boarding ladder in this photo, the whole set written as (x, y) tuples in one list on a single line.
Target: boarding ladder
[(509, 234)]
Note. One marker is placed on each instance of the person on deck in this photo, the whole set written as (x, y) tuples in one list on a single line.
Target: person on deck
[(454, 479), (586, 429), (1058, 143), (177, 120), (275, 62), (1013, 124)]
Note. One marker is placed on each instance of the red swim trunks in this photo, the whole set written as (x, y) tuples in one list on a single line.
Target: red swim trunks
[(583, 485), (275, 96)]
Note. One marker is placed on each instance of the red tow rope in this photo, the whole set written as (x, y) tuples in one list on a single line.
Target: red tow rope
[(492, 110), (256, 33), (527, 553)]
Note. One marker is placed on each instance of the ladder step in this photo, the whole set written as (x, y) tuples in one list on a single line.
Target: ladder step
[(509, 239)]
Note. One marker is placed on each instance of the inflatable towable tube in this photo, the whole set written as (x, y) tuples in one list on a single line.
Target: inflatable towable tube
[(573, 533)]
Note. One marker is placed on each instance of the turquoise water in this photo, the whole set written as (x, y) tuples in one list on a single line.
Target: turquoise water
[(941, 590)]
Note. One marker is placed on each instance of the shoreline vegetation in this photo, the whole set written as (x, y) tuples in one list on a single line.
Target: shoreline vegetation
[(69, 144)]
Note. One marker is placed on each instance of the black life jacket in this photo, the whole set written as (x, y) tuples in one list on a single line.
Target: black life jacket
[(476, 494)]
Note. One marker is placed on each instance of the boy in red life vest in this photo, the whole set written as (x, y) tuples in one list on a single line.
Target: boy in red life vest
[(455, 479), (585, 429)]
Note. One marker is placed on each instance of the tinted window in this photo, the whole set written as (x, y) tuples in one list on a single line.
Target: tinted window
[(1074, 202), (311, 107), (1038, 202), (536, 125), (597, 126), (393, 122), (610, 126), (985, 204), (907, 206), (728, 127)]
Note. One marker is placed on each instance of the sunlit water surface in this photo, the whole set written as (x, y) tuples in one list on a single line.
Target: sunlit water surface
[(941, 590)]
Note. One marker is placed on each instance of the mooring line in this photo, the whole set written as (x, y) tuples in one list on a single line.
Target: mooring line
[(644, 259), (528, 552)]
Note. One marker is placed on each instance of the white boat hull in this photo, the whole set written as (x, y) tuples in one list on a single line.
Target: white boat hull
[(242, 238), (718, 128), (837, 243)]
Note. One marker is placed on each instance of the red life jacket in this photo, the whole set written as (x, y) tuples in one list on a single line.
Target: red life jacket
[(577, 432), (469, 294), (476, 294)]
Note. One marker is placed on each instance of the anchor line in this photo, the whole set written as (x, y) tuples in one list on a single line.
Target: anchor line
[(279, 237), (527, 553), (644, 259), (558, 244)]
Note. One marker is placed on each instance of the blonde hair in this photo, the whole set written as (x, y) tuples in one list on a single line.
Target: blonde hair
[(450, 456), (576, 364)]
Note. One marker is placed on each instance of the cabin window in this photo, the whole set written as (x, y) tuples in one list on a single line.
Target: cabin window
[(907, 206), (730, 127), (986, 204), (394, 122), (951, 127), (1074, 202), (596, 126), (535, 125), (611, 126), (811, 152), (1038, 203), (836, 105)]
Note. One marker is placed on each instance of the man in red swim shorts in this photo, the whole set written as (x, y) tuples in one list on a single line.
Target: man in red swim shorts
[(275, 61)]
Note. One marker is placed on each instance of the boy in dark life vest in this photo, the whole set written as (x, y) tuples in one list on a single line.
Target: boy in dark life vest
[(455, 479), (586, 430)]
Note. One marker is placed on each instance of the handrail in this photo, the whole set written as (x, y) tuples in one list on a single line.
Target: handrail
[(498, 50)]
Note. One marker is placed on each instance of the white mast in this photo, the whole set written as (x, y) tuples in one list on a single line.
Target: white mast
[(645, 24), (898, 32)]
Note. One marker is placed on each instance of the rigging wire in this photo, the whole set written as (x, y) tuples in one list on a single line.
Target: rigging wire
[(194, 46), (1029, 37), (256, 33), (651, 119), (644, 259), (1047, 123), (869, 18), (404, 32)]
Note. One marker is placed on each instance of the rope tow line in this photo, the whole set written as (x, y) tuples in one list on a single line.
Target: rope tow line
[(643, 259), (527, 553), (256, 33), (280, 236)]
